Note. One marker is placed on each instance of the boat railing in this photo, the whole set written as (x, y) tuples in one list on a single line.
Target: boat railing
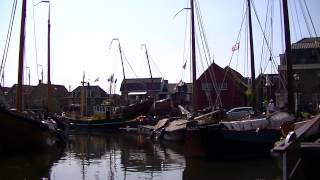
[(288, 150)]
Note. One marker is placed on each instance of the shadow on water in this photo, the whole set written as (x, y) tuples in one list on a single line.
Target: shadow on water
[(246, 169), (92, 155), (28, 165)]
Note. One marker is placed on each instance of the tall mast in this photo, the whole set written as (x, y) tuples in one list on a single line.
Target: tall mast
[(147, 56), (193, 58), (288, 56), (82, 95), (49, 62), (253, 75), (120, 52), (21, 57), (121, 58)]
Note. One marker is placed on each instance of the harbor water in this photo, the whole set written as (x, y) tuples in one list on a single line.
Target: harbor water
[(92, 155)]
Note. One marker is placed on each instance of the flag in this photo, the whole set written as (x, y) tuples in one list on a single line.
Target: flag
[(96, 80), (235, 47), (180, 83), (268, 81), (184, 65), (110, 79)]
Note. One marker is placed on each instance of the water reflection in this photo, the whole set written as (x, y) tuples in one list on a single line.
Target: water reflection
[(113, 155), (245, 169), (28, 165)]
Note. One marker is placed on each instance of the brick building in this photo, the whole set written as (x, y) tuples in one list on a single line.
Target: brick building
[(232, 86), (306, 75)]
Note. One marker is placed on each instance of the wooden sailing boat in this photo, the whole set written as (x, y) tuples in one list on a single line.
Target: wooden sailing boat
[(175, 129), (113, 117), (20, 131), (105, 115), (251, 136)]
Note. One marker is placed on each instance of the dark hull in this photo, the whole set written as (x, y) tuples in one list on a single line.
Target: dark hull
[(177, 135), (162, 107), (107, 124), (134, 110), (21, 133), (219, 141)]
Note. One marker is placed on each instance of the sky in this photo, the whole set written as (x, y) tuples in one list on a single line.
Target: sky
[(82, 31)]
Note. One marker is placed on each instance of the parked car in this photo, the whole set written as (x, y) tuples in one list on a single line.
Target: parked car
[(239, 112)]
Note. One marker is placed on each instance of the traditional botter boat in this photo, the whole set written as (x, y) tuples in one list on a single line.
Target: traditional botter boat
[(250, 137), (20, 131), (111, 117)]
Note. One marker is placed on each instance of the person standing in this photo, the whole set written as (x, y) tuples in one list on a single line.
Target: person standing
[(271, 107)]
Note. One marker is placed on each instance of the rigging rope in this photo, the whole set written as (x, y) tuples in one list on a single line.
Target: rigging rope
[(207, 54), (305, 18), (228, 67), (184, 43), (293, 24), (8, 39), (282, 28), (297, 17), (129, 65), (263, 53), (264, 36), (35, 43), (153, 64), (314, 29)]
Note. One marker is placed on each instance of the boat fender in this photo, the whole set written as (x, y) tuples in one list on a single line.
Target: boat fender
[(161, 133), (152, 135), (290, 137), (286, 128)]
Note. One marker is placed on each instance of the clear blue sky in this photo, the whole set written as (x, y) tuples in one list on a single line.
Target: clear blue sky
[(81, 32)]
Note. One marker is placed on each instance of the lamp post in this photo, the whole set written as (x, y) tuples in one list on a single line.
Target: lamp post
[(296, 78), (268, 90), (41, 81)]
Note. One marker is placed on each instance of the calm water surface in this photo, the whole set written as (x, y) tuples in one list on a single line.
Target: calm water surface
[(114, 155)]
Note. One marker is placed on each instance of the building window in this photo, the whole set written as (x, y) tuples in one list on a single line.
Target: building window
[(223, 85), (209, 86), (316, 98), (206, 87)]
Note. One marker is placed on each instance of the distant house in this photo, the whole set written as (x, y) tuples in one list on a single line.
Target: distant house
[(221, 87), (306, 75), (35, 97), (92, 96), (10, 96), (181, 93), (39, 97), (133, 90)]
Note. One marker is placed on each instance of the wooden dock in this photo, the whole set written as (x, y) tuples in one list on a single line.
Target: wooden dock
[(300, 150)]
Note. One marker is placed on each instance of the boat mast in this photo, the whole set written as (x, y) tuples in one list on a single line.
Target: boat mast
[(121, 57), (82, 96), (193, 58), (253, 75), (288, 56), (147, 56), (21, 58), (49, 62)]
